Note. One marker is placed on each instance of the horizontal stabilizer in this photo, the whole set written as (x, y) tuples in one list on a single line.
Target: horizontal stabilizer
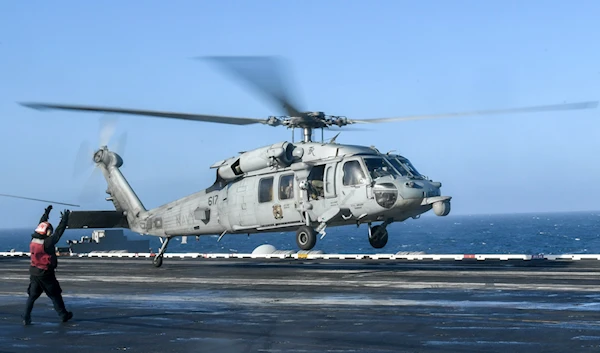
[(97, 219)]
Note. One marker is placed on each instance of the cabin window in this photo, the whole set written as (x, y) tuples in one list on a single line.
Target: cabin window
[(265, 189), (329, 180), (286, 187), (353, 173)]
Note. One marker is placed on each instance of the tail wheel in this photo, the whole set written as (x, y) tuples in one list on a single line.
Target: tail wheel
[(157, 261), (306, 238), (379, 237)]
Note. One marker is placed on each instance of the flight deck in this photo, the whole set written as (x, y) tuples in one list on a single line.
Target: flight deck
[(290, 302)]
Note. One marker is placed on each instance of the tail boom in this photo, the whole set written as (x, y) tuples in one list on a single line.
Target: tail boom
[(120, 192)]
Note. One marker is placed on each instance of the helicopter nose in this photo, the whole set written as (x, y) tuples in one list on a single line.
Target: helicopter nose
[(415, 189), (430, 194)]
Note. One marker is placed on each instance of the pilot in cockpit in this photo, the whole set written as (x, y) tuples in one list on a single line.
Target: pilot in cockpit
[(353, 173)]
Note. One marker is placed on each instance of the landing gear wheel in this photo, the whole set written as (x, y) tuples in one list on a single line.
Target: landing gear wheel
[(157, 261), (378, 237), (306, 238)]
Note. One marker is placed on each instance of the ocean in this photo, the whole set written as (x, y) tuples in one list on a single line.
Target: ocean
[(533, 233)]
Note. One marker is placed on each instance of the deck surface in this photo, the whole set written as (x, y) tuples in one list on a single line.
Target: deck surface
[(260, 305)]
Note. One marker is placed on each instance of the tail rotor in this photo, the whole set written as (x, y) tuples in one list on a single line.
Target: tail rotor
[(84, 161)]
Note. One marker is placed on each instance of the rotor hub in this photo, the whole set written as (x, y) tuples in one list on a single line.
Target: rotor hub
[(99, 156), (310, 120)]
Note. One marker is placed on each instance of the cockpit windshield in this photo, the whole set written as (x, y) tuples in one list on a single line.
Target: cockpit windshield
[(411, 168), (403, 171), (404, 166), (379, 167)]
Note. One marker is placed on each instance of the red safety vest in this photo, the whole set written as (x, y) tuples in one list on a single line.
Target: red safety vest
[(39, 257)]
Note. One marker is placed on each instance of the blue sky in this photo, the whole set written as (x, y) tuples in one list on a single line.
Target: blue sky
[(361, 59)]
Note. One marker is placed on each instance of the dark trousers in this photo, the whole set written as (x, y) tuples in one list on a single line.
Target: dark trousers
[(45, 284)]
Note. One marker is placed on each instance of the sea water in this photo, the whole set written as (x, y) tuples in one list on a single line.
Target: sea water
[(534, 233)]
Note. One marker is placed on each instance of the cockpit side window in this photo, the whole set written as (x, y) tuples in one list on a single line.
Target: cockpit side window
[(353, 173), (265, 189)]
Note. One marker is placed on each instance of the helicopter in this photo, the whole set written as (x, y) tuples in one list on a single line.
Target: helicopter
[(305, 186)]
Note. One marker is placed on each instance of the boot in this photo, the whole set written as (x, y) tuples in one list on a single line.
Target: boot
[(68, 316)]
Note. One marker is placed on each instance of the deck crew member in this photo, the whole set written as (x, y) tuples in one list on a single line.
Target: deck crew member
[(43, 264)]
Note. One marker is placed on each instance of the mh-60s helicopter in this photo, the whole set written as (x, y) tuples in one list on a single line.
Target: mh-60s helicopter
[(304, 186)]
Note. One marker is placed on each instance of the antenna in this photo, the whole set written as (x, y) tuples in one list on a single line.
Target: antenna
[(334, 137)]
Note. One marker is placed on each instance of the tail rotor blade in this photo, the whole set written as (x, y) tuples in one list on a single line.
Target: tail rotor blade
[(90, 187), (83, 159), (119, 146), (108, 125)]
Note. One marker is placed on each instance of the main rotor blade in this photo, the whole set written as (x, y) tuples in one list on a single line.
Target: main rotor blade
[(533, 109), (29, 198), (158, 114), (334, 128), (264, 73)]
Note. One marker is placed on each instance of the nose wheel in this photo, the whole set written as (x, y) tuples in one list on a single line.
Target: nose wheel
[(378, 236)]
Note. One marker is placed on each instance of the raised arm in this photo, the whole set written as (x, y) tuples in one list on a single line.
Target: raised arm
[(64, 220), (46, 214)]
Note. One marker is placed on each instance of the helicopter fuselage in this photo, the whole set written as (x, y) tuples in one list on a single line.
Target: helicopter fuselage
[(307, 184)]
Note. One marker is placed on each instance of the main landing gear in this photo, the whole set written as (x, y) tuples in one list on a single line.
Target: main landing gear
[(378, 235), (158, 259), (306, 237)]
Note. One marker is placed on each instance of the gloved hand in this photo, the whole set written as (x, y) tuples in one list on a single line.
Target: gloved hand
[(64, 215), (48, 209)]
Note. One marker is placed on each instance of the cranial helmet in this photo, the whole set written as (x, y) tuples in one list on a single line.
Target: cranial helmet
[(43, 227)]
